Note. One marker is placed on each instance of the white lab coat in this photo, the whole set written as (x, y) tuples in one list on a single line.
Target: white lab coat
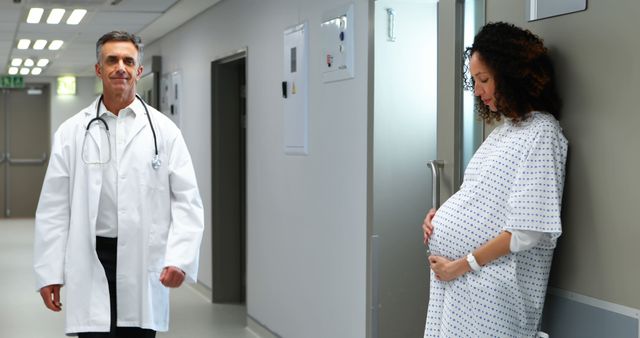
[(160, 223)]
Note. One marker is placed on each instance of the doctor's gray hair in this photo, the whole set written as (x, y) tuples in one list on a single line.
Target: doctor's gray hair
[(120, 36)]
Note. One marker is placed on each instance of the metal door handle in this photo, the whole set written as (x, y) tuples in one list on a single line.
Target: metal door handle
[(391, 25), (435, 166), (35, 161)]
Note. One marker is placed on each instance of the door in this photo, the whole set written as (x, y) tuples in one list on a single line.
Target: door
[(229, 178), (24, 145), (418, 116)]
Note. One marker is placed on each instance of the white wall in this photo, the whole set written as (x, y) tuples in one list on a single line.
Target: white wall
[(306, 222)]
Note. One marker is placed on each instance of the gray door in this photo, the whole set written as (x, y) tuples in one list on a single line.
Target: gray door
[(25, 142), (417, 117)]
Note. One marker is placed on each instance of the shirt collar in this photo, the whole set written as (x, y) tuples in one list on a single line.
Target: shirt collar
[(136, 108)]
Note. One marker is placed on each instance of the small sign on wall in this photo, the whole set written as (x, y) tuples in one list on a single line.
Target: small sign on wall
[(295, 89), (542, 9)]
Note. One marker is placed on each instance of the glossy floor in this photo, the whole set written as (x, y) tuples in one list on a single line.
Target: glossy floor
[(22, 314)]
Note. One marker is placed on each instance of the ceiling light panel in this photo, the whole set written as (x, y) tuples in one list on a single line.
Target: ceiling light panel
[(25, 71), (55, 44), (76, 16), (39, 44), (24, 43), (16, 62), (36, 71), (13, 70), (43, 62), (28, 63), (55, 16), (35, 14)]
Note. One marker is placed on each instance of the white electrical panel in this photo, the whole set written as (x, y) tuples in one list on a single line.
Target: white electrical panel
[(295, 89), (336, 33), (171, 96)]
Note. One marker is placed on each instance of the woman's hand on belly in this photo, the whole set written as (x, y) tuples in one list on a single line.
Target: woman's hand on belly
[(448, 270), (427, 226)]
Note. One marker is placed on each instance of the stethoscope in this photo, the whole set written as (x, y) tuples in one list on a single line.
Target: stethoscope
[(155, 161)]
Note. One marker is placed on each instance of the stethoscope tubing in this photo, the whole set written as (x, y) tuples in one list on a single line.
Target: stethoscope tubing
[(153, 131)]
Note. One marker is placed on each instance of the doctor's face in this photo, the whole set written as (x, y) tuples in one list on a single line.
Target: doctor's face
[(484, 82), (118, 68)]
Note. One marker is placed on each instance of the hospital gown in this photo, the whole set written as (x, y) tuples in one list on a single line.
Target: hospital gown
[(514, 181)]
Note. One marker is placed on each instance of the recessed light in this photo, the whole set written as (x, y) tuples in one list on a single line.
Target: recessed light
[(24, 43), (28, 63), (55, 44), (36, 71), (24, 71), (16, 62), (13, 70), (43, 62), (55, 16), (76, 16), (39, 44), (35, 14)]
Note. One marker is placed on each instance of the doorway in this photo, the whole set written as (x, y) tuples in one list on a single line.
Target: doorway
[(228, 144), (24, 145)]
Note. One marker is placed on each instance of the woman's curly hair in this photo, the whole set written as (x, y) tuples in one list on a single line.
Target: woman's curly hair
[(522, 70)]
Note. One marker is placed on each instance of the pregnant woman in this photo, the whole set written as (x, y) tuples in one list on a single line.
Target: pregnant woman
[(492, 242)]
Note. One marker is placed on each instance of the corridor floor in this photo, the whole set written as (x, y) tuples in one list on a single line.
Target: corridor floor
[(22, 314)]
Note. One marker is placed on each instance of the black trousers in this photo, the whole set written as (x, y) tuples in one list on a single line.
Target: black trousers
[(107, 249)]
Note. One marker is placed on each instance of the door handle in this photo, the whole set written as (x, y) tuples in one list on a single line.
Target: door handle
[(35, 161), (435, 166)]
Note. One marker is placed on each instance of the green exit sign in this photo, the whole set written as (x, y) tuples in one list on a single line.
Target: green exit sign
[(11, 81)]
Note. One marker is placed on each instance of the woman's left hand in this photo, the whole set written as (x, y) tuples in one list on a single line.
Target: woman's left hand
[(446, 269)]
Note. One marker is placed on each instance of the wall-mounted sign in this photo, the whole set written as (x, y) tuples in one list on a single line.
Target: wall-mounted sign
[(66, 85), (11, 81)]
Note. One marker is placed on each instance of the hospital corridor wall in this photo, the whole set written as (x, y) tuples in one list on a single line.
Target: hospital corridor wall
[(306, 214), (594, 284)]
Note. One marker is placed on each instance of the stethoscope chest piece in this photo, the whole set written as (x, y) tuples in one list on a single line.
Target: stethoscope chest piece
[(155, 162)]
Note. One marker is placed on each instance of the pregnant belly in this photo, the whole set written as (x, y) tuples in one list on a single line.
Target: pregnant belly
[(450, 237)]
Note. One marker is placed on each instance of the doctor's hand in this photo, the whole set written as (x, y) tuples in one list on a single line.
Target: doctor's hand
[(448, 270), (51, 297), (172, 277), (427, 226)]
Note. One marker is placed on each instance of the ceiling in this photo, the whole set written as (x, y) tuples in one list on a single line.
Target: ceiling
[(150, 19)]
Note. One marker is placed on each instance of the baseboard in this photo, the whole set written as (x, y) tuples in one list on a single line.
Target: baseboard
[(259, 329), (569, 314)]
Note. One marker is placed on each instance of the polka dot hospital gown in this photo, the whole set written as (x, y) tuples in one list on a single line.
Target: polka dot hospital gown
[(514, 181)]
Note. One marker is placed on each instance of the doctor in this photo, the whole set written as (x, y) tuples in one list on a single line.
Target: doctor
[(111, 226)]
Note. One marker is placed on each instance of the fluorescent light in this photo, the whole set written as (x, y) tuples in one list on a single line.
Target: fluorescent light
[(43, 62), (35, 14), (28, 63), (16, 62), (55, 44), (13, 70), (55, 16), (76, 16), (24, 71), (36, 71), (39, 44), (24, 43)]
